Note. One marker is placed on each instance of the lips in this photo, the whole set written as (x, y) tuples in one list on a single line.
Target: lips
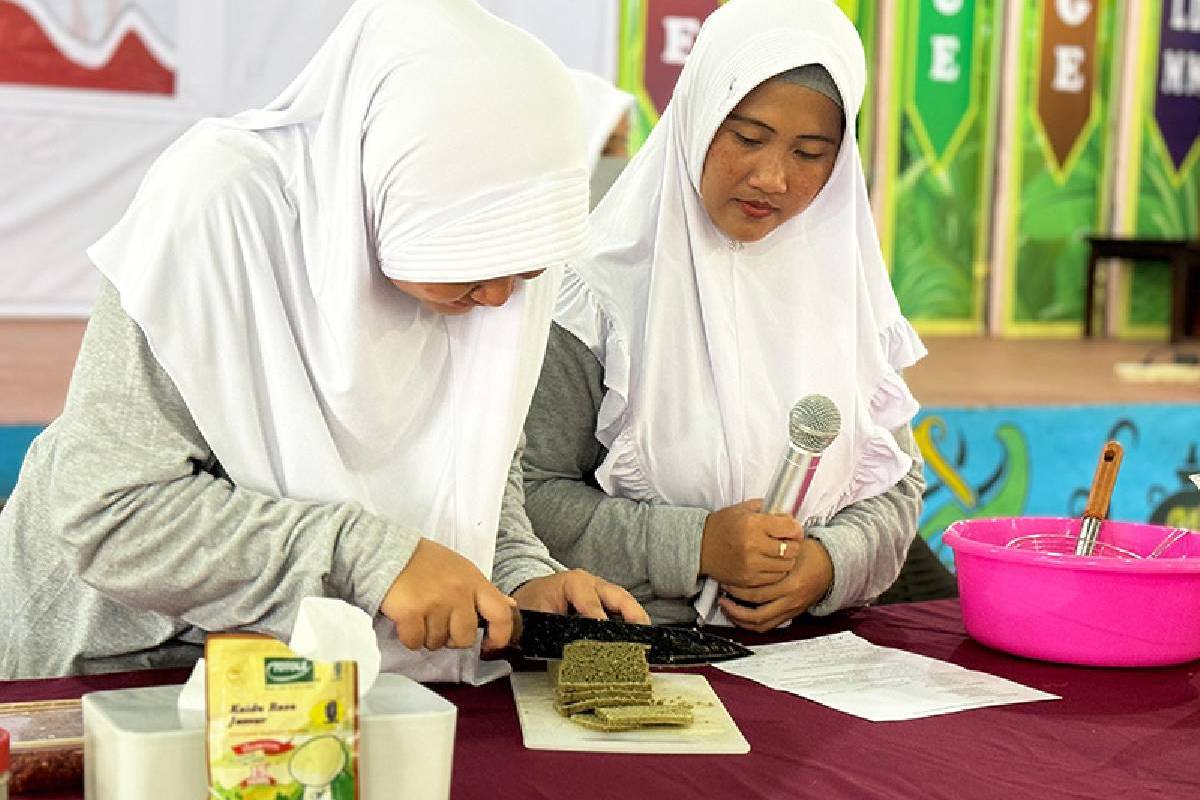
[(755, 209)]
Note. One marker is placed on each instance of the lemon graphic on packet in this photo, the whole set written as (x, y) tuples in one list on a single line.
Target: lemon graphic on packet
[(316, 763)]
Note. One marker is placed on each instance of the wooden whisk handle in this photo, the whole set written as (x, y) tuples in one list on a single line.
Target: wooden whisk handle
[(1102, 483)]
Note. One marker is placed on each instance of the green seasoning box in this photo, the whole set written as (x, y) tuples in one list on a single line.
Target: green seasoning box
[(280, 727)]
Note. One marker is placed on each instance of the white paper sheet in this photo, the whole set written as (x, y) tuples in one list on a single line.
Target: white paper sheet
[(880, 684)]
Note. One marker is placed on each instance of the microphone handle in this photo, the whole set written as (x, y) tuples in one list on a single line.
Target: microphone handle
[(787, 490), (790, 483)]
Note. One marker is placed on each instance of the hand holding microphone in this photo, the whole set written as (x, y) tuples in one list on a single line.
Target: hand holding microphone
[(813, 424), (744, 547), (751, 544)]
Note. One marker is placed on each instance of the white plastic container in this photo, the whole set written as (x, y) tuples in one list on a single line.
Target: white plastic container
[(136, 747)]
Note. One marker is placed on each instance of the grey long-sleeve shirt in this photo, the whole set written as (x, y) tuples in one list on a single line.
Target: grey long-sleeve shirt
[(653, 549), (124, 541)]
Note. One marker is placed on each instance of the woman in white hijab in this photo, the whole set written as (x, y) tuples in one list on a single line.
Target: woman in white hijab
[(734, 268), (306, 375), (606, 111)]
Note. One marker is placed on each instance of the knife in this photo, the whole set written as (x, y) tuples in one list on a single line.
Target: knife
[(542, 636)]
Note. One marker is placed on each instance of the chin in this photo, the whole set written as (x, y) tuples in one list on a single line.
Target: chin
[(754, 236), (746, 234), (448, 311)]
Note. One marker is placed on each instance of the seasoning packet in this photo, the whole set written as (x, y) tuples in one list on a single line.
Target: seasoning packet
[(280, 727)]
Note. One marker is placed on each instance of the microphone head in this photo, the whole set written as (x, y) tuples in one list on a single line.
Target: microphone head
[(813, 423)]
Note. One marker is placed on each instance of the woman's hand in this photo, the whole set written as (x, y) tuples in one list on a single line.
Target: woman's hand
[(744, 547), (779, 602), (438, 599), (582, 591)]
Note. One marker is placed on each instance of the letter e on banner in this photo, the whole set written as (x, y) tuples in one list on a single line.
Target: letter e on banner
[(1068, 77), (943, 60), (679, 33), (671, 30), (942, 87), (1066, 74)]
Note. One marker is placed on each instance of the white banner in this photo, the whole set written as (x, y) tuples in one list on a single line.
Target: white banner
[(92, 90)]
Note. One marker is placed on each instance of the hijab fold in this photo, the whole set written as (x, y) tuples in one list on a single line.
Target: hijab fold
[(256, 255)]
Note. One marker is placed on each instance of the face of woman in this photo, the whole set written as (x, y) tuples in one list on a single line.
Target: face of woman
[(618, 140), (769, 159), (459, 298)]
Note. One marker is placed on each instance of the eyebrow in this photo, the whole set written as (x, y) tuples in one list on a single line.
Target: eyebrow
[(751, 121)]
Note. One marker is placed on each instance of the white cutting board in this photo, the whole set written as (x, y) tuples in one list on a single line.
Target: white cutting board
[(713, 730)]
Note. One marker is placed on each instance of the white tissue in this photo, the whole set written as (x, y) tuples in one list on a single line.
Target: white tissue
[(326, 629)]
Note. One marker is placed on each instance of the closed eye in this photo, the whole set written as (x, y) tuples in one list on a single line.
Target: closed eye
[(746, 140)]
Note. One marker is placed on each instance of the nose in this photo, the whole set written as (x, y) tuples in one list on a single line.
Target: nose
[(769, 174), (494, 293)]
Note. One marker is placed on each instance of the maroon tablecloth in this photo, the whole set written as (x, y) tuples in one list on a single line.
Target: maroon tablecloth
[(1117, 733)]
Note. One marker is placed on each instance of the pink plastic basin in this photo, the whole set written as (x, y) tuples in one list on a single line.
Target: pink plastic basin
[(1108, 612)]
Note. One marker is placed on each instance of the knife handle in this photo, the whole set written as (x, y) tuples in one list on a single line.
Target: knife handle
[(516, 626)]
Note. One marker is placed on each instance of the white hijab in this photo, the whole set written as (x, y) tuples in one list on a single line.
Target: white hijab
[(426, 141), (603, 107), (707, 343)]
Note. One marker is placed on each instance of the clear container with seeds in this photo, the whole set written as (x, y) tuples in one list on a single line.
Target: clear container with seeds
[(46, 745)]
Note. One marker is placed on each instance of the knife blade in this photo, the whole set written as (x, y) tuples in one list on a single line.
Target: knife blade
[(541, 636)]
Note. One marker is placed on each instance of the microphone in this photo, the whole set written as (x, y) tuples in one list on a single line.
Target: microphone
[(813, 423)]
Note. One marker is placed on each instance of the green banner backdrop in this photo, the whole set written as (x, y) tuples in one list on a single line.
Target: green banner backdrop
[(1161, 197), (938, 131), (657, 35), (1056, 182), (866, 18)]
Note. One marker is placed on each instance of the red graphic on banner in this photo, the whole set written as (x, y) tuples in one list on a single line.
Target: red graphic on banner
[(671, 28), (29, 56)]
